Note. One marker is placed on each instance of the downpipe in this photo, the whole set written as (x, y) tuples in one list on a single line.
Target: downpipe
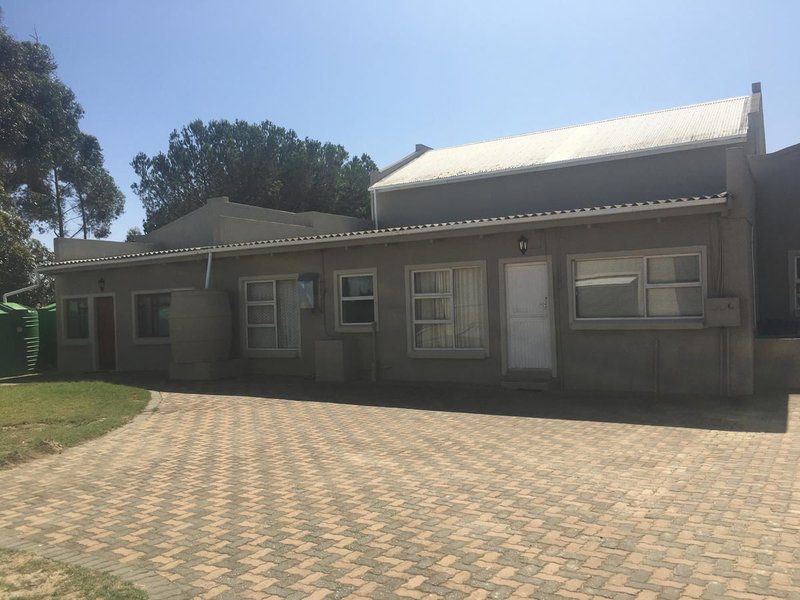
[(28, 288)]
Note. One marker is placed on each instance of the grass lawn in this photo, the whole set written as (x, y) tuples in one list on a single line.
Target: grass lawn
[(24, 575), (42, 418)]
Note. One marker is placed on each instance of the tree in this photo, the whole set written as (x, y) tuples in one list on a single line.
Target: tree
[(258, 164), (133, 234), (98, 200), (19, 256), (42, 150)]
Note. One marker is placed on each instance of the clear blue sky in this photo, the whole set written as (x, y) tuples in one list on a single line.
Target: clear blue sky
[(378, 77)]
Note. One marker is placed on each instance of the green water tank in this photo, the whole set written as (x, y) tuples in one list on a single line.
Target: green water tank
[(19, 339)]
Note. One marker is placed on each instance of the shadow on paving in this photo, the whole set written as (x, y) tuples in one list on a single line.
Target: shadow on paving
[(766, 413)]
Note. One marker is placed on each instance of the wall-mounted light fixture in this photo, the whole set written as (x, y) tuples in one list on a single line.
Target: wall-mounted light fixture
[(522, 242), (101, 283), (307, 290)]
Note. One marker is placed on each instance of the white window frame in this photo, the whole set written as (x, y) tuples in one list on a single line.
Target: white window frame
[(135, 316), (342, 327), (794, 281), (249, 352), (645, 321), (452, 352)]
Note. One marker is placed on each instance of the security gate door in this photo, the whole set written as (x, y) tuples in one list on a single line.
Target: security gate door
[(528, 316)]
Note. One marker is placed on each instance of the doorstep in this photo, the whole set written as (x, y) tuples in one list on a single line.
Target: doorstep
[(541, 380)]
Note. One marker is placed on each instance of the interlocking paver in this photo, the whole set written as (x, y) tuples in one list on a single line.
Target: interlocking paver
[(240, 491)]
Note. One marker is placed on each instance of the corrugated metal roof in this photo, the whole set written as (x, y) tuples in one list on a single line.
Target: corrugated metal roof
[(698, 124), (720, 198)]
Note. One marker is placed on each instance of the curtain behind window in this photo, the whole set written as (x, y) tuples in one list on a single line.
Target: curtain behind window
[(468, 307), (288, 314)]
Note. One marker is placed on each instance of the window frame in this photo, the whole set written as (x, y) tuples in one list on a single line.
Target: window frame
[(81, 341), (645, 321), (249, 352), (141, 340), (411, 296), (339, 298), (138, 339), (794, 282)]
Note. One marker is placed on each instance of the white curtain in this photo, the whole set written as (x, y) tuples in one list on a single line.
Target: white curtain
[(432, 282), (468, 307), (433, 335), (464, 308), (288, 314)]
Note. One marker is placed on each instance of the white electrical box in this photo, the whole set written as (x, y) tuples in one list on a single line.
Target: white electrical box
[(723, 312)]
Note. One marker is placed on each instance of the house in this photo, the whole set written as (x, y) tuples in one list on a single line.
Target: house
[(617, 255)]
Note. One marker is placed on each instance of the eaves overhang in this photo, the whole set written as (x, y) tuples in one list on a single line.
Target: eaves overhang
[(673, 207)]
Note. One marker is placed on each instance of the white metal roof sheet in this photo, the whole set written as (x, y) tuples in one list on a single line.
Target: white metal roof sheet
[(698, 124)]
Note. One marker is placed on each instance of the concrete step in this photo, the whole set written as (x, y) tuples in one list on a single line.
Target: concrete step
[(536, 385)]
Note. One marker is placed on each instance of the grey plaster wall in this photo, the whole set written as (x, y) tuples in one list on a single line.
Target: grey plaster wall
[(670, 175), (220, 222), (687, 360), (71, 248), (777, 177)]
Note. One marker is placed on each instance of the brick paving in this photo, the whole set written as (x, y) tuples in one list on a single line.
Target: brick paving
[(243, 491)]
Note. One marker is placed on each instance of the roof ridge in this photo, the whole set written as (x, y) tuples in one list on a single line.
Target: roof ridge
[(608, 120)]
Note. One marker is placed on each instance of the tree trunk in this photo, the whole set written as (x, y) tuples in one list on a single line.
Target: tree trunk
[(82, 203), (59, 207)]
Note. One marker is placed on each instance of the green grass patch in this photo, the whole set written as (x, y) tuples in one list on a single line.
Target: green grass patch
[(25, 575), (42, 418)]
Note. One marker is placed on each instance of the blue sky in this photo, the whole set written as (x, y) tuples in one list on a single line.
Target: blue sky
[(378, 77)]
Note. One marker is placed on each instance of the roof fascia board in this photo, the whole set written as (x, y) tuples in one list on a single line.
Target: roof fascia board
[(621, 213), (558, 165)]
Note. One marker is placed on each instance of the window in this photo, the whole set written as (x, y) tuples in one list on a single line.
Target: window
[(356, 298), (447, 308), (645, 287), (152, 315), (272, 314), (77, 318)]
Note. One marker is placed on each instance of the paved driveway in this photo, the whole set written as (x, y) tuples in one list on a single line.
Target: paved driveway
[(244, 491)]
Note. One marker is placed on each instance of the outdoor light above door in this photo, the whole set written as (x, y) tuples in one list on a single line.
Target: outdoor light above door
[(523, 244), (101, 283)]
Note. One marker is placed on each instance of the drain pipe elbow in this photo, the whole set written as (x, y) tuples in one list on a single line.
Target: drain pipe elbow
[(28, 288)]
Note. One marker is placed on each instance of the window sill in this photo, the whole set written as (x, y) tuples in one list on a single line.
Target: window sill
[(272, 353), (156, 341), (448, 354), (636, 324)]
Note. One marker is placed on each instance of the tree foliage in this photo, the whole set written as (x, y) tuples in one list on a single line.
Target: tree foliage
[(133, 234), (19, 255), (54, 172), (98, 200), (260, 164)]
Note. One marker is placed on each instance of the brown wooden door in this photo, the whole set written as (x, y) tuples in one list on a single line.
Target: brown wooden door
[(106, 343)]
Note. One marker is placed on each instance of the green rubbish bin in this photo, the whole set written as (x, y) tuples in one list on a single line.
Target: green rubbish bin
[(47, 338), (19, 339)]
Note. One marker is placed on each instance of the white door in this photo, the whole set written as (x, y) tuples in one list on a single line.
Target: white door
[(528, 316)]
